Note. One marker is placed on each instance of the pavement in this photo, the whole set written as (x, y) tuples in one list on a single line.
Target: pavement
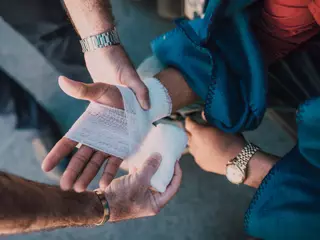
[(207, 205)]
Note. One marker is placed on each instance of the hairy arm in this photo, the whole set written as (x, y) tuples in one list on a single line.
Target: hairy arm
[(27, 206), (109, 64), (90, 17)]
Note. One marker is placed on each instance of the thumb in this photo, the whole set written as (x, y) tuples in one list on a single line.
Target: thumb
[(98, 92), (132, 80), (191, 126), (81, 90), (150, 167)]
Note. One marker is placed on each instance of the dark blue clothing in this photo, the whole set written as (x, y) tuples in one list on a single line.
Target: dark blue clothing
[(221, 62), (287, 203)]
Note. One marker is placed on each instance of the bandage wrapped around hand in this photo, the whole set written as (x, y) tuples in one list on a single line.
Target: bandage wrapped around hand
[(168, 140), (130, 134)]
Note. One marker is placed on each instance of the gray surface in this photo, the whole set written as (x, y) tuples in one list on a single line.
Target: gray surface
[(206, 207)]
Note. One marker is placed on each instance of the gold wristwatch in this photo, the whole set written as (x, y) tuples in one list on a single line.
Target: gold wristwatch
[(236, 169)]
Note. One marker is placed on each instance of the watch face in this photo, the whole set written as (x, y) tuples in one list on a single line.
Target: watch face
[(234, 174)]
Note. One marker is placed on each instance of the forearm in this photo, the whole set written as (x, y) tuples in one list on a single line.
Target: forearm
[(181, 94), (27, 206), (259, 166), (90, 17)]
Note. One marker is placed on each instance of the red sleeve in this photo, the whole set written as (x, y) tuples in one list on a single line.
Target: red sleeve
[(314, 7), (284, 25)]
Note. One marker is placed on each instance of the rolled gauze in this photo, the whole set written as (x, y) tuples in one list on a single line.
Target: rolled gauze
[(168, 140), (120, 132)]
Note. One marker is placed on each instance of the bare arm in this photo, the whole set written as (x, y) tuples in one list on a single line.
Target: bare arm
[(109, 64), (213, 149), (181, 94), (90, 17), (27, 206)]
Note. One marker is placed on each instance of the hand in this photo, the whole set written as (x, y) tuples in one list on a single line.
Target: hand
[(86, 162), (130, 196), (212, 148), (111, 65)]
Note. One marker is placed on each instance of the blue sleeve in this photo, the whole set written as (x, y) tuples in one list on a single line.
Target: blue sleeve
[(287, 203), (221, 64)]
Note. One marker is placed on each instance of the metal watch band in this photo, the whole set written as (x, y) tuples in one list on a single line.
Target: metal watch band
[(245, 155), (104, 202), (101, 40)]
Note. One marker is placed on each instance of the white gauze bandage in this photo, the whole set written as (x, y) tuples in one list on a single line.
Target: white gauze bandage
[(130, 134), (120, 132), (168, 140)]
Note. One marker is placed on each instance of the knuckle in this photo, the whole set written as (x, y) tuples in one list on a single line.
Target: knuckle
[(103, 90), (154, 163), (81, 158), (82, 90), (73, 171), (109, 175), (94, 164), (115, 163), (144, 91)]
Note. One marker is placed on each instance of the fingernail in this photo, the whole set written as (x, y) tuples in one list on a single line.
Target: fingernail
[(145, 104), (156, 156)]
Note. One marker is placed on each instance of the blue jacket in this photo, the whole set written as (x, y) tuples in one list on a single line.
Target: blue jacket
[(221, 62), (287, 203)]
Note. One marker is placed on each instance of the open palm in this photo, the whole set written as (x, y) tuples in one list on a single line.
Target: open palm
[(86, 162)]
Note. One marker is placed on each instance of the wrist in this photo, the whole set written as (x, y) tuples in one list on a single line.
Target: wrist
[(233, 146), (95, 209), (259, 167), (234, 149), (111, 198), (179, 91), (109, 52), (82, 209)]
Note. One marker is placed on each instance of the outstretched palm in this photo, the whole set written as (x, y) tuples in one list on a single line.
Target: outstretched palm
[(86, 162)]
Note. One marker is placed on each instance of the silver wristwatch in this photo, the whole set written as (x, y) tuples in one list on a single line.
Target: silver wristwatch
[(236, 168), (101, 40)]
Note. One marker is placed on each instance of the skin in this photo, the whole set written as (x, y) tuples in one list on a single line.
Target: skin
[(111, 64), (86, 162), (27, 206), (212, 149)]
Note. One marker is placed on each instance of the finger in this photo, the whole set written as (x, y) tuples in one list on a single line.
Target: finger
[(203, 116), (142, 93), (134, 82), (62, 149), (110, 171), (90, 171), (133, 170), (189, 135), (189, 140), (191, 126), (173, 187), (76, 165), (98, 92), (150, 167)]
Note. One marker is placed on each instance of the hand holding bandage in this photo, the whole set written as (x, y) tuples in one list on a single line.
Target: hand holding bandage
[(106, 127)]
